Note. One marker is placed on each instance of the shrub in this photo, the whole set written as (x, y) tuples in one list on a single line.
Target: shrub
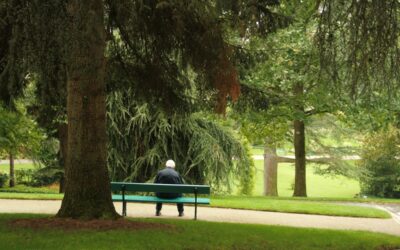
[(49, 170), (3, 179), (24, 176), (381, 165), (38, 178), (45, 176)]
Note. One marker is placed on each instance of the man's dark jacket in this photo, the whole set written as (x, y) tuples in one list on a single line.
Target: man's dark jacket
[(168, 176)]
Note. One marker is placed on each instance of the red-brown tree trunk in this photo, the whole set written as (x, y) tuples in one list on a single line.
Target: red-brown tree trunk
[(87, 187), (270, 170), (300, 188)]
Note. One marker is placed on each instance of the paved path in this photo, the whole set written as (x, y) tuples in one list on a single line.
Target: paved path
[(389, 226)]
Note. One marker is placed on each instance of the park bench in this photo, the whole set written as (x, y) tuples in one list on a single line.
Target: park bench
[(124, 187)]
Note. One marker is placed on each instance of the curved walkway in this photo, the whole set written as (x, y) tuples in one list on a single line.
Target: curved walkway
[(389, 226)]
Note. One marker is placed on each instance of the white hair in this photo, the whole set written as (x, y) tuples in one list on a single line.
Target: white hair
[(170, 164)]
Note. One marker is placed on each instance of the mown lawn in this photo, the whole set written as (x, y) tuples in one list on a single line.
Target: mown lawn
[(190, 235), (5, 168), (297, 206), (317, 185), (54, 189)]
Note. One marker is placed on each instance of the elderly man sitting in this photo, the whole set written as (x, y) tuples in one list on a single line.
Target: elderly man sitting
[(168, 176)]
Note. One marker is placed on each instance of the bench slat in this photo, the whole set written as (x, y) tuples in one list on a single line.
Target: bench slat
[(153, 199), (162, 188)]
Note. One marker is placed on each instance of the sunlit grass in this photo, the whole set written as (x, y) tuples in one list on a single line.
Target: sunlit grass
[(5, 167), (317, 185), (302, 206)]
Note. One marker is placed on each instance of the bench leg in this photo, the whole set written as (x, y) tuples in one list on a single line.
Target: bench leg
[(124, 208), (195, 204), (195, 211)]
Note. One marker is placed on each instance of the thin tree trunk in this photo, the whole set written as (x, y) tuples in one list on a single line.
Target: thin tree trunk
[(300, 160), (87, 187), (12, 173), (270, 170), (299, 146)]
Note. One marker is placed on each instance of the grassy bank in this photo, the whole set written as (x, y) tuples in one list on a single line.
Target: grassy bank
[(183, 234), (301, 206)]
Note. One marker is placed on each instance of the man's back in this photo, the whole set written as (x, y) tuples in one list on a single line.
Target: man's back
[(168, 176)]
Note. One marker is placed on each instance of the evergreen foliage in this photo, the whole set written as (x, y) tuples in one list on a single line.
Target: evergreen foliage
[(359, 46), (11, 53), (159, 42), (142, 137)]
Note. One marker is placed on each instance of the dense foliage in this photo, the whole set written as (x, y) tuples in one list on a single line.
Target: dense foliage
[(18, 134), (358, 42), (3, 179), (380, 160), (142, 137)]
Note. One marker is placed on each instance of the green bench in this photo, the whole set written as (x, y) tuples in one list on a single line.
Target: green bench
[(124, 187)]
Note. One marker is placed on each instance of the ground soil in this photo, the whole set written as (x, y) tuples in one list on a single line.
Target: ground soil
[(97, 225)]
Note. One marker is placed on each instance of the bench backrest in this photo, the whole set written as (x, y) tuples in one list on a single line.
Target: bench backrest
[(161, 188)]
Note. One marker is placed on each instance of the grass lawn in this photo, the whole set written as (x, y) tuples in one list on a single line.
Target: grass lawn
[(297, 206), (184, 234), (317, 185), (54, 189), (30, 196), (5, 168)]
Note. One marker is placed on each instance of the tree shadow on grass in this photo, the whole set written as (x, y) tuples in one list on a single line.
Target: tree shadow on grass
[(95, 225)]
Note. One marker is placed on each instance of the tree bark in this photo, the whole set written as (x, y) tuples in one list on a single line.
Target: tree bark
[(270, 170), (87, 183), (12, 173), (63, 138), (299, 145)]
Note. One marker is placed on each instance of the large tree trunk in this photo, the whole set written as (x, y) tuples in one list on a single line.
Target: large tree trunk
[(270, 170), (12, 175), (63, 138), (87, 187), (299, 146)]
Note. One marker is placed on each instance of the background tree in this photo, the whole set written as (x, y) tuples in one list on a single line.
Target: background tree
[(289, 79), (359, 48), (19, 135), (260, 121)]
